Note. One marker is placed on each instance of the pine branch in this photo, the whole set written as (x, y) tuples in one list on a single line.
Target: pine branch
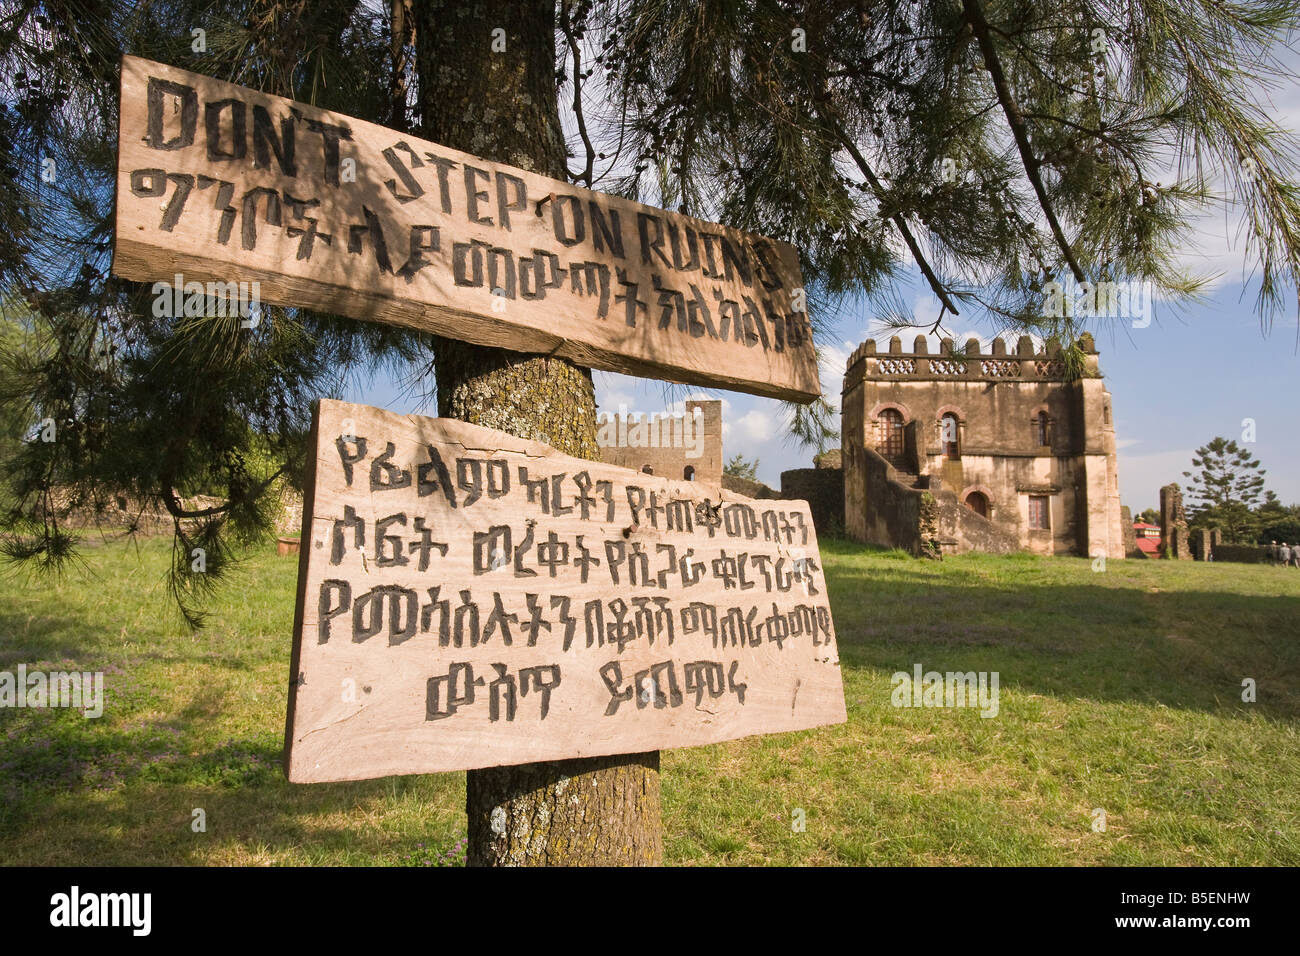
[(937, 286), (974, 15), (566, 26)]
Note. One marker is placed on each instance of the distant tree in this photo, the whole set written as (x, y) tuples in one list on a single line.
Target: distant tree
[(1225, 489), (1150, 516), (1278, 522), (738, 467)]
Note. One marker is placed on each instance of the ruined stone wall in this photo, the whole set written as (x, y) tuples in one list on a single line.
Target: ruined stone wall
[(1175, 541), (894, 519), (1130, 536), (748, 487), (823, 489), (666, 444), (1244, 553)]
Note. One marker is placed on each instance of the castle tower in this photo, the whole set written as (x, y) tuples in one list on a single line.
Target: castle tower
[(965, 450)]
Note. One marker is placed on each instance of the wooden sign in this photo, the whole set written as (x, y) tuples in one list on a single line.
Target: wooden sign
[(470, 599), (219, 183)]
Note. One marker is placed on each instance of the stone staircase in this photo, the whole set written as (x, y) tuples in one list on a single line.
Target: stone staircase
[(908, 478), (957, 528)]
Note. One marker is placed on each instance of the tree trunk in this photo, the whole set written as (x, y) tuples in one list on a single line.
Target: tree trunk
[(501, 105)]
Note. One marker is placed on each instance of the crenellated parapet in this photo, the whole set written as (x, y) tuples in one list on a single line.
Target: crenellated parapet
[(966, 364)]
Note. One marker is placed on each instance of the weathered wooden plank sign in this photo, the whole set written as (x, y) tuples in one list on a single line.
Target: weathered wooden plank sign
[(470, 599), (220, 183)]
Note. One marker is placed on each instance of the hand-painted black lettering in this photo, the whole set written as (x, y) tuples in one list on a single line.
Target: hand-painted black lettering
[(544, 679), (455, 689), (188, 107), (413, 189), (606, 233), (505, 205), (238, 129), (570, 228), (433, 475), (474, 196), (425, 544), (612, 675), (335, 599), (176, 205), (266, 142), (330, 136), (388, 548), (148, 183), (384, 475), (347, 458), (349, 520), (500, 620), (491, 548)]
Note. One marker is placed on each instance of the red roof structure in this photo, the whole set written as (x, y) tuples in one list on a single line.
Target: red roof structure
[(1147, 538)]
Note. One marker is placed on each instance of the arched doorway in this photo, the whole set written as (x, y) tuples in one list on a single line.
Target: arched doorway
[(689, 473), (978, 502), (891, 435)]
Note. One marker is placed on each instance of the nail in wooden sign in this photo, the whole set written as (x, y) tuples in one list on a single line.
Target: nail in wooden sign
[(218, 183), (470, 599)]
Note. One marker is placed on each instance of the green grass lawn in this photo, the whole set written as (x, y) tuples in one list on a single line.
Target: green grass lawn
[(1120, 690)]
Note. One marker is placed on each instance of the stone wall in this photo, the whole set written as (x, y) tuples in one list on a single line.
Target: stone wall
[(1243, 553), (120, 513), (894, 520), (960, 530), (289, 522), (829, 459), (669, 446), (823, 489), (748, 487), (1205, 541), (1131, 549), (1174, 540)]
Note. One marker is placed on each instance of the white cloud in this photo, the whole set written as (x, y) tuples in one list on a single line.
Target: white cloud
[(756, 426), (833, 359)]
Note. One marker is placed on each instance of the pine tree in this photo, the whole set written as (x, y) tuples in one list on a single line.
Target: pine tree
[(739, 467), (1225, 490), (501, 104)]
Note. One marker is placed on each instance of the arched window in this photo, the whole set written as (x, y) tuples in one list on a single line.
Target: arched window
[(689, 473), (890, 424), (647, 469), (949, 435), (1040, 428), (978, 502)]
